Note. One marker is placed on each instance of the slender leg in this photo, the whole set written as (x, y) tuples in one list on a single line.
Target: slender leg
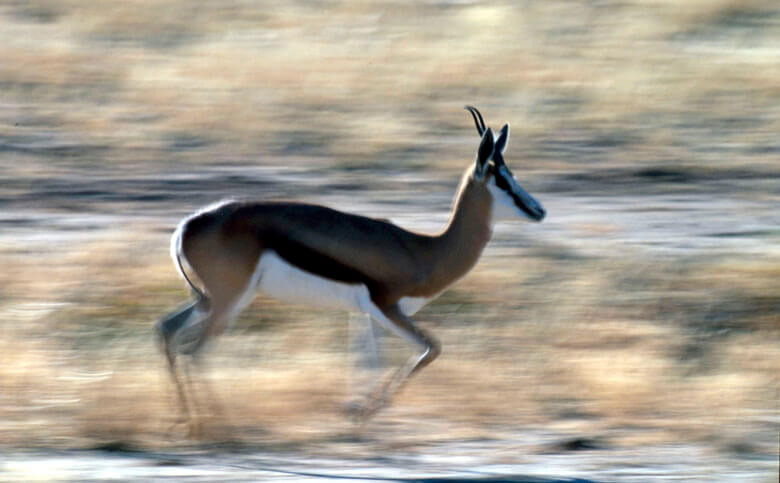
[(364, 353), (394, 319), (166, 331), (185, 413), (176, 332), (208, 318), (197, 382), (212, 405), (364, 362)]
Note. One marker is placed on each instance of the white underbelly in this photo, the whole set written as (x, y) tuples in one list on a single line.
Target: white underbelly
[(283, 281)]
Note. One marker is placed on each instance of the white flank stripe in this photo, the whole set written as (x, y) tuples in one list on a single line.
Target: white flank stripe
[(283, 281), (286, 282), (276, 278)]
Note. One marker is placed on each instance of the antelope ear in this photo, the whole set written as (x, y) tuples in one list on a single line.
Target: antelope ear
[(485, 152), (503, 139)]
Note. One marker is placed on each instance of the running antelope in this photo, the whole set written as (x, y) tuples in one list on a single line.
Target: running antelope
[(314, 255)]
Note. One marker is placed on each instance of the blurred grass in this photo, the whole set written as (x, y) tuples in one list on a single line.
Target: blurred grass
[(108, 108), (676, 348), (345, 83)]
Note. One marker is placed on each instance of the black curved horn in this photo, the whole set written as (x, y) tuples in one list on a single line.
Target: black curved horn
[(477, 119)]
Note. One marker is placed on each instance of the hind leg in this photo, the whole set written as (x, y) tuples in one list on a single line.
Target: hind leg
[(176, 332), (228, 274), (364, 359), (199, 401)]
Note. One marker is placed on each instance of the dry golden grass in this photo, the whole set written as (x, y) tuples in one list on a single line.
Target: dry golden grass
[(82, 367), (242, 79), (683, 347)]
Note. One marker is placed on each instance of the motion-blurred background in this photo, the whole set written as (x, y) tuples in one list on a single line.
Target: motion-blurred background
[(643, 313)]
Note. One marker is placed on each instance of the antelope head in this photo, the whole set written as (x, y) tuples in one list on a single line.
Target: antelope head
[(510, 200)]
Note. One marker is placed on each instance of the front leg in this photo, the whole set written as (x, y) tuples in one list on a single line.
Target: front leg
[(364, 354), (394, 319)]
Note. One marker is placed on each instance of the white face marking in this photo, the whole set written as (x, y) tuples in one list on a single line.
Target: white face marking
[(288, 283), (503, 204)]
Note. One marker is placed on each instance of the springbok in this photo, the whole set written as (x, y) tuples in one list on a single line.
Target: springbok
[(311, 254)]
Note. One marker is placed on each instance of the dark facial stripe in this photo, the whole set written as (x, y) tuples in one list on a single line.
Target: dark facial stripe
[(502, 183)]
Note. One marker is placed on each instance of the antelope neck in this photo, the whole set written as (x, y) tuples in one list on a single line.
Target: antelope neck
[(461, 243)]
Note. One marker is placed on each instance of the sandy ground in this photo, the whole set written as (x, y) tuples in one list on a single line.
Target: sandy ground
[(399, 447), (632, 336)]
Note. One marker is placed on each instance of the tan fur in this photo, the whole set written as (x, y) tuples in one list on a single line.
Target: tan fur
[(224, 247)]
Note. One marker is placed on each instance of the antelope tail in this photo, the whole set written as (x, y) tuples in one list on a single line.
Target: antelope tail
[(177, 260)]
